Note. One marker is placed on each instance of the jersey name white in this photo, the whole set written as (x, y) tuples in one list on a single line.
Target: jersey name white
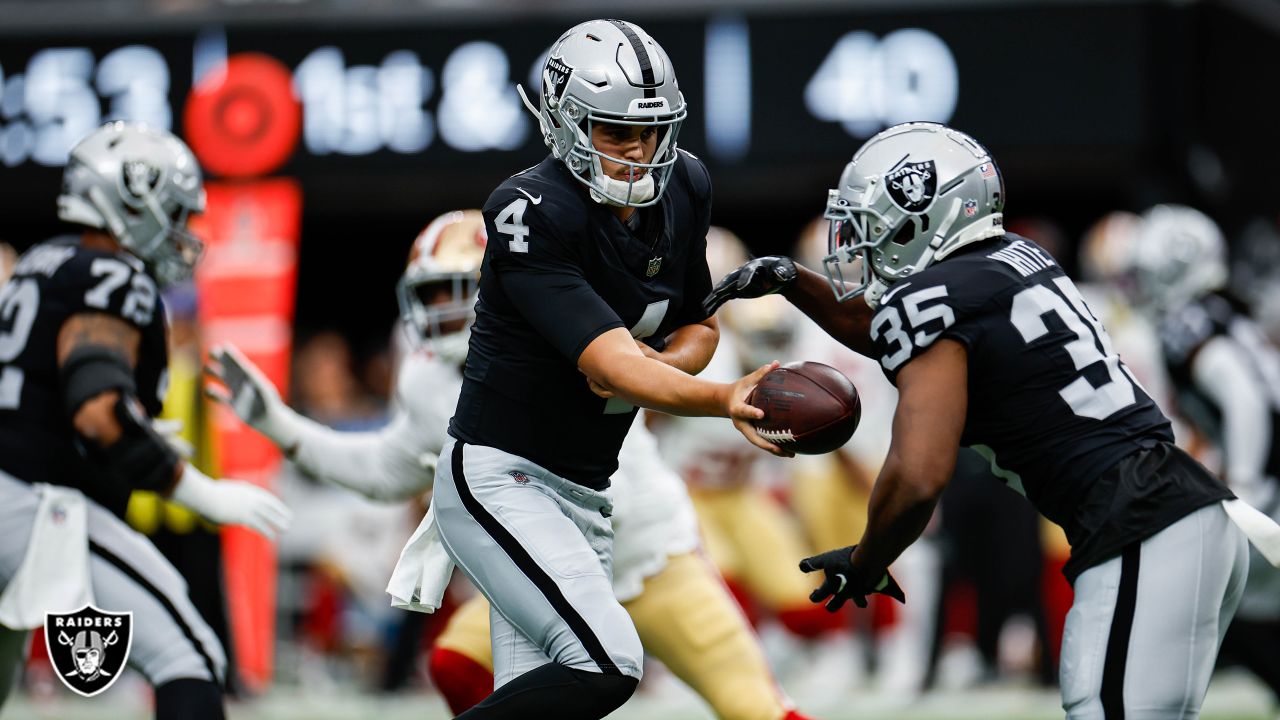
[(1026, 259)]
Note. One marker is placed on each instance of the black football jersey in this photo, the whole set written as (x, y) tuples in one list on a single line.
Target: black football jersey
[(559, 270), (1187, 329), (1050, 404), (51, 282)]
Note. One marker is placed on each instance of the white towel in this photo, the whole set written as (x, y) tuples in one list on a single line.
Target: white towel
[(1261, 530), (54, 575), (422, 574)]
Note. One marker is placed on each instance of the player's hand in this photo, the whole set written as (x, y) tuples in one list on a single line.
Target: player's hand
[(249, 394), (232, 502), (743, 414), (843, 582), (761, 276)]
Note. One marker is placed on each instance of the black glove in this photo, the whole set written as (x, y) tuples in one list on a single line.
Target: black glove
[(761, 276), (844, 583)]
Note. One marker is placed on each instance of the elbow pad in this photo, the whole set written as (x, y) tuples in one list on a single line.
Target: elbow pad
[(140, 458), (91, 370)]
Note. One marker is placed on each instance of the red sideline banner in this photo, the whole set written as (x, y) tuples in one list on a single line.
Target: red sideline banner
[(246, 287)]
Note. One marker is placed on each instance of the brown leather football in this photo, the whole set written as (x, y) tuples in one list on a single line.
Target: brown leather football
[(809, 408)]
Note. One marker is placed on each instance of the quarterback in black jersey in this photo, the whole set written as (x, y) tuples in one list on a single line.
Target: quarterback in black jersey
[(1226, 377), (992, 347), (589, 305), (83, 356)]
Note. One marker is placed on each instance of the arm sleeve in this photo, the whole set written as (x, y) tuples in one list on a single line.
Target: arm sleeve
[(391, 464), (542, 276), (1222, 371)]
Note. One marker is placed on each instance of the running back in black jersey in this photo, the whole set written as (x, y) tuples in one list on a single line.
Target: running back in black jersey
[(51, 282), (559, 270), (1050, 404), (1186, 330)]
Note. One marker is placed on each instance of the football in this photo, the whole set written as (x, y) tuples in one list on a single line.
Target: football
[(809, 408)]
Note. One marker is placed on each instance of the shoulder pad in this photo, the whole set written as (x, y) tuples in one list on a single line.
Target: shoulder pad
[(693, 169)]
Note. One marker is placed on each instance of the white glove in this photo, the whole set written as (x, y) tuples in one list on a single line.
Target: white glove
[(232, 502), (171, 431), (252, 397)]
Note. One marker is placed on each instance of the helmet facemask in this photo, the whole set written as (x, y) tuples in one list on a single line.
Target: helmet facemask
[(439, 288), (443, 327)]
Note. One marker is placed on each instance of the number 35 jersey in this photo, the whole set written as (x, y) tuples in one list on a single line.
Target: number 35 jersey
[(51, 282), (559, 270), (1050, 404)]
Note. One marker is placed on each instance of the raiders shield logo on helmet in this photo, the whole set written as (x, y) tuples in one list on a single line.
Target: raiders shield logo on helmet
[(140, 178), (912, 185), (88, 648), (557, 77)]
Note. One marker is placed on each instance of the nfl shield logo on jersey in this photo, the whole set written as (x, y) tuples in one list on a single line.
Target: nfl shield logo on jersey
[(912, 185), (88, 648)]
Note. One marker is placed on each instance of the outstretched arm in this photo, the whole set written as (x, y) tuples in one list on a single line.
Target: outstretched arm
[(926, 436), (849, 322), (395, 463), (613, 364), (932, 402), (97, 353)]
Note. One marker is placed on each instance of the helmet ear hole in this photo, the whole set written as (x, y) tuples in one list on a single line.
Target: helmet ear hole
[(904, 234)]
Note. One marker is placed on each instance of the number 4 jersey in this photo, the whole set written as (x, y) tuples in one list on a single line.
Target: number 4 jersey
[(1050, 404), (559, 270), (52, 282)]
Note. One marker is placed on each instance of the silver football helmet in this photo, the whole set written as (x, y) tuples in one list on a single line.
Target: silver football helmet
[(438, 291), (610, 71), (1180, 255), (139, 184), (912, 195)]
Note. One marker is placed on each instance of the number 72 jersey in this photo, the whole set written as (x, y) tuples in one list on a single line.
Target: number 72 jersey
[(1051, 405), (51, 282)]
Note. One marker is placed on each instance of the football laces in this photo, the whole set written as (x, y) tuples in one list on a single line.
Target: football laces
[(783, 435)]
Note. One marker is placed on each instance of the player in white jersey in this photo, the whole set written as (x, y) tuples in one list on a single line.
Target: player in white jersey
[(683, 613)]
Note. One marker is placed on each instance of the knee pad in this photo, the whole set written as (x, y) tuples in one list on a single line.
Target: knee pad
[(188, 699), (462, 681)]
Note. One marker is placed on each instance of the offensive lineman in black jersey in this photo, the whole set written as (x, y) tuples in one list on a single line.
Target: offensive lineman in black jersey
[(992, 347), (1226, 376), (82, 364), (588, 306)]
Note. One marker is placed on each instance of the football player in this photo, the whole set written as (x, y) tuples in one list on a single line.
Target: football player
[(82, 366), (588, 307), (684, 615), (991, 346), (1227, 381)]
